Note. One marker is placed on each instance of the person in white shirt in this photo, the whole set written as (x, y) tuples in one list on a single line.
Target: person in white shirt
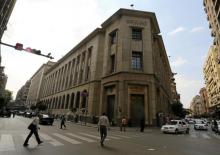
[(34, 130), (102, 127)]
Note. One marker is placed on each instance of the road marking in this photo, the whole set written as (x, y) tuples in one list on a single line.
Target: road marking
[(108, 135), (81, 137), (6, 143), (96, 137), (204, 135), (51, 140), (70, 140), (122, 136)]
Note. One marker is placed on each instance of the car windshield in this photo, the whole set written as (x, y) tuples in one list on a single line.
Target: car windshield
[(199, 122), (173, 122)]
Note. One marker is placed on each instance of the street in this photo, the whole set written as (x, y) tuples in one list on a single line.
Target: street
[(84, 140)]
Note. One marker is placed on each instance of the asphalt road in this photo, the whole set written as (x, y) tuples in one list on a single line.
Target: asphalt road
[(84, 140)]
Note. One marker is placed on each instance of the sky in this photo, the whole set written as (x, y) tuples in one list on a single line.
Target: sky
[(55, 26)]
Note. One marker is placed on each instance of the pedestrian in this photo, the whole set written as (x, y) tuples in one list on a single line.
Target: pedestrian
[(63, 121), (123, 123), (102, 127), (33, 127), (142, 124)]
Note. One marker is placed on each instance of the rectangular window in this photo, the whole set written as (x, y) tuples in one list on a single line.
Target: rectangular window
[(136, 60), (136, 33), (113, 37), (112, 69)]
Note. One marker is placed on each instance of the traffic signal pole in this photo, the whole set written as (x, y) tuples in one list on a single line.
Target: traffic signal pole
[(19, 47)]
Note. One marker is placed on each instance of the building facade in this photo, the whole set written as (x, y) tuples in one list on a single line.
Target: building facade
[(211, 72), (121, 68), (6, 7), (22, 94), (196, 106), (36, 84), (212, 9), (205, 100)]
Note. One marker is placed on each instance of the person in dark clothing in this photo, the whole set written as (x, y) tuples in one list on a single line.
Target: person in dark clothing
[(102, 127), (63, 120), (34, 130), (142, 124)]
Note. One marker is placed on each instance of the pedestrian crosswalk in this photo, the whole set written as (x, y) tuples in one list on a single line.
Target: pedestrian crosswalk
[(7, 141), (56, 139)]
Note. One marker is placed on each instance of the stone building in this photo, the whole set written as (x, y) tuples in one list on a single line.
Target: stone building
[(196, 106), (121, 68), (22, 94), (212, 9), (211, 72), (36, 84), (205, 100), (6, 7)]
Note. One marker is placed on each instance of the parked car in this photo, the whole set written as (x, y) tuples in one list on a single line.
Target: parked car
[(213, 127), (46, 119), (200, 125), (28, 114), (176, 126)]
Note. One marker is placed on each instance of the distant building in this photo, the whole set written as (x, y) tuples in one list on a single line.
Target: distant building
[(212, 9), (211, 72), (22, 93), (36, 84), (196, 106), (205, 100), (6, 7)]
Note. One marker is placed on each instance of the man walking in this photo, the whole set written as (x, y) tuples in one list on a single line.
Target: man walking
[(102, 127), (34, 130), (63, 120)]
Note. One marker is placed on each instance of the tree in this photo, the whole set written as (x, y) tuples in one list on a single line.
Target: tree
[(41, 106), (33, 107), (177, 109), (6, 98)]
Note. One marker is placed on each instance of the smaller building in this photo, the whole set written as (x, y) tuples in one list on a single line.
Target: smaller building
[(196, 106), (205, 100), (21, 96)]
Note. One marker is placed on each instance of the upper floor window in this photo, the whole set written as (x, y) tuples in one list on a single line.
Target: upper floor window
[(137, 33), (136, 61), (112, 69), (113, 37)]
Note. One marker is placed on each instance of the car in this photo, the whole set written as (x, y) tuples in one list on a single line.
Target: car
[(46, 119), (213, 127), (176, 126), (200, 125), (27, 114)]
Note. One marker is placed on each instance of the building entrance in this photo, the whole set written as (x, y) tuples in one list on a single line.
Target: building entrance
[(110, 107), (137, 109)]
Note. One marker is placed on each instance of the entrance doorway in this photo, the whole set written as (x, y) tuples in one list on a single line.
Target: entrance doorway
[(137, 109), (110, 108)]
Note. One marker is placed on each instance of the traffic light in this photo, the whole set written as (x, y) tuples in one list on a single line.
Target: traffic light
[(19, 46), (36, 51)]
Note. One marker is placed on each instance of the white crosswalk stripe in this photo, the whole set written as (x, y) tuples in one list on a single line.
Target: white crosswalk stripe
[(32, 140), (81, 137), (70, 140), (89, 135), (51, 140), (6, 143), (108, 135)]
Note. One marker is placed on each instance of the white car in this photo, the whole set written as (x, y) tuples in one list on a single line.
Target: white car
[(176, 126), (200, 125)]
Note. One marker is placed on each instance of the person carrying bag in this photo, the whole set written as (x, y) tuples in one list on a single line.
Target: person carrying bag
[(33, 127)]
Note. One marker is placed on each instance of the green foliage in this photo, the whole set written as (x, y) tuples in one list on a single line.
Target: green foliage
[(33, 107), (41, 106), (178, 110), (6, 98)]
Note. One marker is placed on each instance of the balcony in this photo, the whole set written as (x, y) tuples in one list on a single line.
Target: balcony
[(217, 4)]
